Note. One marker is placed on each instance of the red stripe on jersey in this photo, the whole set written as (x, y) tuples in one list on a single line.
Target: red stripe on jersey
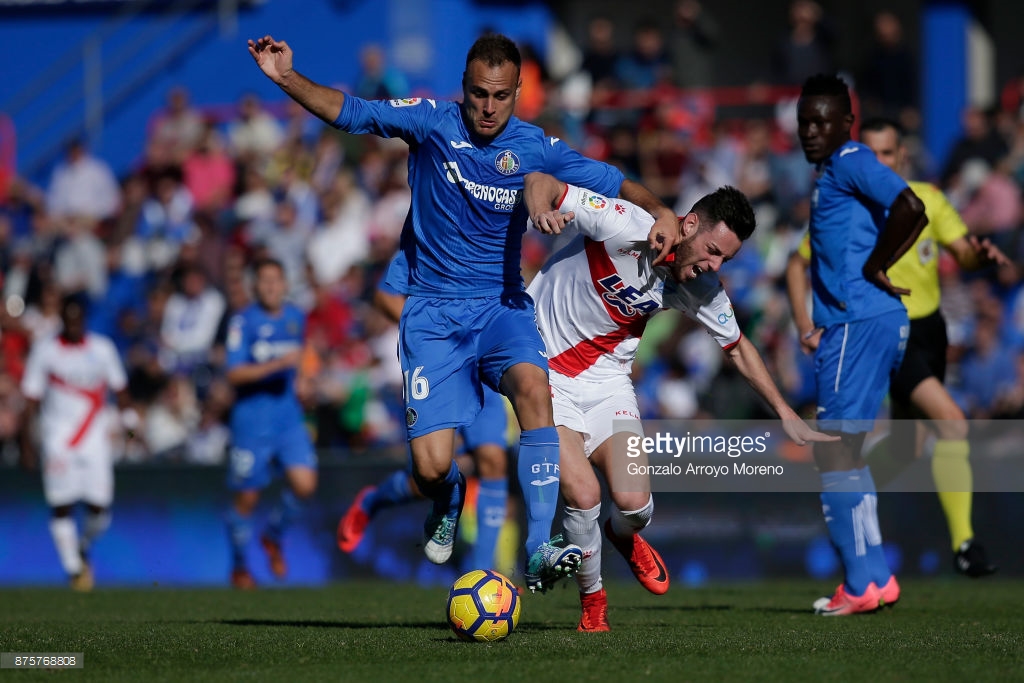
[(96, 398), (732, 345), (575, 360)]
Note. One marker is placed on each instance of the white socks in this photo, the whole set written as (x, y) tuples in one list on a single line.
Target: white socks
[(582, 529), (629, 522), (65, 538)]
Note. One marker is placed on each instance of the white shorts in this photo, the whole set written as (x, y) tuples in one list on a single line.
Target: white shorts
[(72, 476), (595, 409)]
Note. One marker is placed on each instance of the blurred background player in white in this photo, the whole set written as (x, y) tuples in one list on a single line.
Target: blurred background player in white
[(593, 300), (268, 431), (483, 439), (66, 382)]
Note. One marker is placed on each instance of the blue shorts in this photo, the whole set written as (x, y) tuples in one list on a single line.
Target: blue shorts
[(257, 457), (451, 348), (853, 366), (490, 423)]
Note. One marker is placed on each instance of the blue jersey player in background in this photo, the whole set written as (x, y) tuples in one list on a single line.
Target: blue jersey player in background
[(268, 433), (863, 218), (468, 320), (483, 439)]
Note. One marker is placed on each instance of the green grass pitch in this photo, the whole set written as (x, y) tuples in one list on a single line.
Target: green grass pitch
[(951, 629)]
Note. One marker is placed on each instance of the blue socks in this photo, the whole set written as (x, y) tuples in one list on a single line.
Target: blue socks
[(538, 477), (394, 490), (239, 535), (490, 517), (849, 503), (447, 495), (287, 510)]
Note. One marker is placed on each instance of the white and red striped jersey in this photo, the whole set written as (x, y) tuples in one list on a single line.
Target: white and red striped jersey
[(595, 295), (72, 381)]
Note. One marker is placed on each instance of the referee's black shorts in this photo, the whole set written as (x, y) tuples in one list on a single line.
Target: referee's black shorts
[(925, 356)]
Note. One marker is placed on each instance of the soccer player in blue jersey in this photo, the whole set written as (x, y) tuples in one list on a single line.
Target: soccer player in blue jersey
[(483, 439), (468, 320), (863, 218), (268, 434)]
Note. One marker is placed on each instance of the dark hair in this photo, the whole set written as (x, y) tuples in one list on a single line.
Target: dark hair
[(264, 262), (880, 124), (730, 206), (828, 85), (494, 49)]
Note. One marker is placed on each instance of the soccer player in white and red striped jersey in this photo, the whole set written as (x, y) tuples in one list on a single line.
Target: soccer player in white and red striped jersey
[(593, 299), (67, 380)]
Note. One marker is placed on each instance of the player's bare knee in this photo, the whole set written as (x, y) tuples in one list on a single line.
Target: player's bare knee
[(631, 500), (491, 461), (580, 495), (952, 430)]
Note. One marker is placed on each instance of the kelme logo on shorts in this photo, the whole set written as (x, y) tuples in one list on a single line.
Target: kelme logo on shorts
[(507, 162), (410, 417)]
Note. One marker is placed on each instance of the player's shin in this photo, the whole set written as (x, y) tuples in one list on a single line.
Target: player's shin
[(877, 564), (849, 525), (289, 508), (538, 476), (96, 523), (239, 535), (629, 522), (65, 539), (582, 529), (954, 482), (490, 513)]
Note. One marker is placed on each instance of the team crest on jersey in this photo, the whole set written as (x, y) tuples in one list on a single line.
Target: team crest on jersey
[(594, 201), (405, 102), (507, 162), (410, 417)]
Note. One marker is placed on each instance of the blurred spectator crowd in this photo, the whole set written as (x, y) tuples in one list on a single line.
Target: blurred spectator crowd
[(161, 254)]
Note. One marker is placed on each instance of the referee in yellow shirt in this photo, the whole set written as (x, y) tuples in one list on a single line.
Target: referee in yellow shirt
[(917, 390)]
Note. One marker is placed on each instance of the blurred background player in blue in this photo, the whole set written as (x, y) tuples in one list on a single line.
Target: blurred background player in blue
[(483, 440), (917, 390), (268, 433), (863, 218), (468, 321)]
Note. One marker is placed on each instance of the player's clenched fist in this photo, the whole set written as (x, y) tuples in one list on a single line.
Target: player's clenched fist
[(552, 222), (274, 57)]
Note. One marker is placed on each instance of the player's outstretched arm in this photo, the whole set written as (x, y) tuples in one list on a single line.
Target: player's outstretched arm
[(274, 57), (798, 287), (903, 226), (751, 366), (664, 234), (542, 194), (972, 253)]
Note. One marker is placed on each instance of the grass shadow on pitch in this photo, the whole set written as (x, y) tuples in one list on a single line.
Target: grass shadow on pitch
[(321, 623), (716, 608)]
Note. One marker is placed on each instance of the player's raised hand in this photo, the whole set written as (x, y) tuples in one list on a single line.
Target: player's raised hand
[(988, 252), (552, 222), (274, 57), (801, 433), (664, 236)]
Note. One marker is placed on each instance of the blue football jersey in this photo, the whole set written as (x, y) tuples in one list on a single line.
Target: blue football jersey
[(851, 196), (255, 336), (463, 235), (396, 277)]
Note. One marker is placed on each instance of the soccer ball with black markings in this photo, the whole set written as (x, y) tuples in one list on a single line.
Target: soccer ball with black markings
[(483, 606)]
